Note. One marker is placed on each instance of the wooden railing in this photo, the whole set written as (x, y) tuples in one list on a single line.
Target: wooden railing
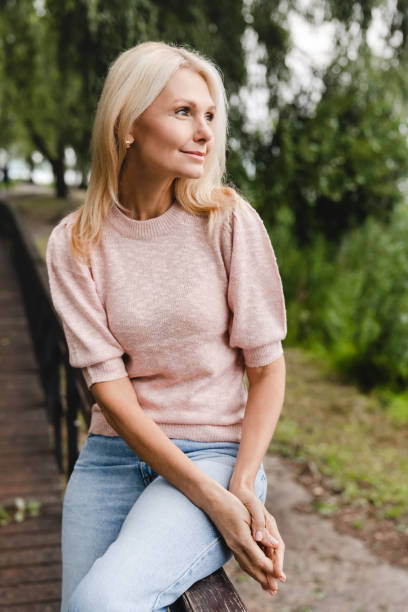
[(67, 394)]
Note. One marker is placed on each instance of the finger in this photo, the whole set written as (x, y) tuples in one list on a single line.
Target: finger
[(273, 530), (246, 564), (272, 584), (259, 531), (269, 552), (267, 582), (278, 553), (258, 520), (267, 539), (258, 559), (255, 509), (271, 545), (268, 544)]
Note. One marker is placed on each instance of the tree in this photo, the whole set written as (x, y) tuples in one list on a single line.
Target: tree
[(57, 57), (342, 162), (336, 161)]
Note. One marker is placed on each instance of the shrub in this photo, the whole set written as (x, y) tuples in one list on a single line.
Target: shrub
[(351, 305)]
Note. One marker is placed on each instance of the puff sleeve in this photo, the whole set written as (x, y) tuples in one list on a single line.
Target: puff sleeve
[(255, 294), (91, 344)]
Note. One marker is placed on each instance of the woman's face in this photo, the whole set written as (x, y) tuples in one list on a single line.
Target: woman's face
[(180, 119)]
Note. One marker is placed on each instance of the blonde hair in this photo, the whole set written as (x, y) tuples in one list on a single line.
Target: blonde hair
[(133, 82)]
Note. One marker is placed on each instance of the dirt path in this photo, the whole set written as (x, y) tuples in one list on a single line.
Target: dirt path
[(326, 571)]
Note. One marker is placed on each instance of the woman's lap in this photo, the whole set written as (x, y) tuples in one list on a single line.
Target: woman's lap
[(130, 538)]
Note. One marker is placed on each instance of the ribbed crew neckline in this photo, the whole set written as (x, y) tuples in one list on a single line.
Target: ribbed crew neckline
[(148, 228)]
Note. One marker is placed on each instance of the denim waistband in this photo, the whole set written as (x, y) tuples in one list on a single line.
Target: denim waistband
[(116, 443)]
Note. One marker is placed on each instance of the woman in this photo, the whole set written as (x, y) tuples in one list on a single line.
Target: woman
[(167, 286)]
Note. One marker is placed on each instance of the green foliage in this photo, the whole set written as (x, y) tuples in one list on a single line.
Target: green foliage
[(351, 306), (332, 168), (342, 161), (365, 315), (306, 273), (396, 404), (54, 57), (324, 508), (23, 508)]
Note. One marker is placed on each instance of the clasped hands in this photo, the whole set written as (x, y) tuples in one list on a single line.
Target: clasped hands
[(265, 532)]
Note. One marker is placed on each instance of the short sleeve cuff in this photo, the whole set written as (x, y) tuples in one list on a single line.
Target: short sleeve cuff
[(104, 371), (262, 355)]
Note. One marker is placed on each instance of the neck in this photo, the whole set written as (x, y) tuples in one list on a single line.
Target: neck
[(143, 194)]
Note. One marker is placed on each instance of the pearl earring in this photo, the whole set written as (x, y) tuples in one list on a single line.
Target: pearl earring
[(129, 141)]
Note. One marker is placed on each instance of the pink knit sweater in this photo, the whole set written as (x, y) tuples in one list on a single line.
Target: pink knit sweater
[(179, 315)]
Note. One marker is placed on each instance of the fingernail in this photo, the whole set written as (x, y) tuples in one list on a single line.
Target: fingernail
[(258, 535), (271, 592), (273, 540)]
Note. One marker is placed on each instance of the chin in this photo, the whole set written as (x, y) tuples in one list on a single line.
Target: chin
[(199, 171)]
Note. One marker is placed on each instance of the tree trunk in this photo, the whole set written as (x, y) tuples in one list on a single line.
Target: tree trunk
[(84, 169), (6, 177), (58, 169), (30, 164)]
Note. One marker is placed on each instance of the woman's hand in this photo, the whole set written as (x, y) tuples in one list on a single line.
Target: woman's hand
[(264, 530), (233, 520)]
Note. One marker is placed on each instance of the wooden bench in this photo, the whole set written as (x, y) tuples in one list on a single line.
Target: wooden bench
[(66, 392)]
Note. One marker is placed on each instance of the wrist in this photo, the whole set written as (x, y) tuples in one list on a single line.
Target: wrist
[(242, 481), (211, 496)]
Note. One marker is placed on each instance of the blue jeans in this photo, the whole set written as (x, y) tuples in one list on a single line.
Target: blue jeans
[(131, 541)]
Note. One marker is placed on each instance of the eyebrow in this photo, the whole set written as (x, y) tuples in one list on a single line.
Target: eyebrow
[(191, 103)]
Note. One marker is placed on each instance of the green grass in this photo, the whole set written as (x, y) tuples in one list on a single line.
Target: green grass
[(395, 404), (352, 438)]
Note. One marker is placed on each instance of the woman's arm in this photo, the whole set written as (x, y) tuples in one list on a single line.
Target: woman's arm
[(265, 399), (118, 402)]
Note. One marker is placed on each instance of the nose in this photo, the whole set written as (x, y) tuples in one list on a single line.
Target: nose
[(202, 130)]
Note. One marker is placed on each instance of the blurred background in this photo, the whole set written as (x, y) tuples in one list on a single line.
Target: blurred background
[(318, 93)]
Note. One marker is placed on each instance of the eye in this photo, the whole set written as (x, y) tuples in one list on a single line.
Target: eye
[(182, 109), (187, 108)]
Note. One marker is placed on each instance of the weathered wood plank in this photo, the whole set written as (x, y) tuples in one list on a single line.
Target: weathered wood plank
[(44, 606), (28, 557), (43, 522), (214, 593), (45, 498), (30, 551), (34, 573), (22, 540), (30, 593)]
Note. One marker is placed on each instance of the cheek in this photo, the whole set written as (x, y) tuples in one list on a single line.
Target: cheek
[(161, 142), (168, 135)]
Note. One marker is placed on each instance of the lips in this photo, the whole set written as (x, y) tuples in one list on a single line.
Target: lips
[(198, 153)]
